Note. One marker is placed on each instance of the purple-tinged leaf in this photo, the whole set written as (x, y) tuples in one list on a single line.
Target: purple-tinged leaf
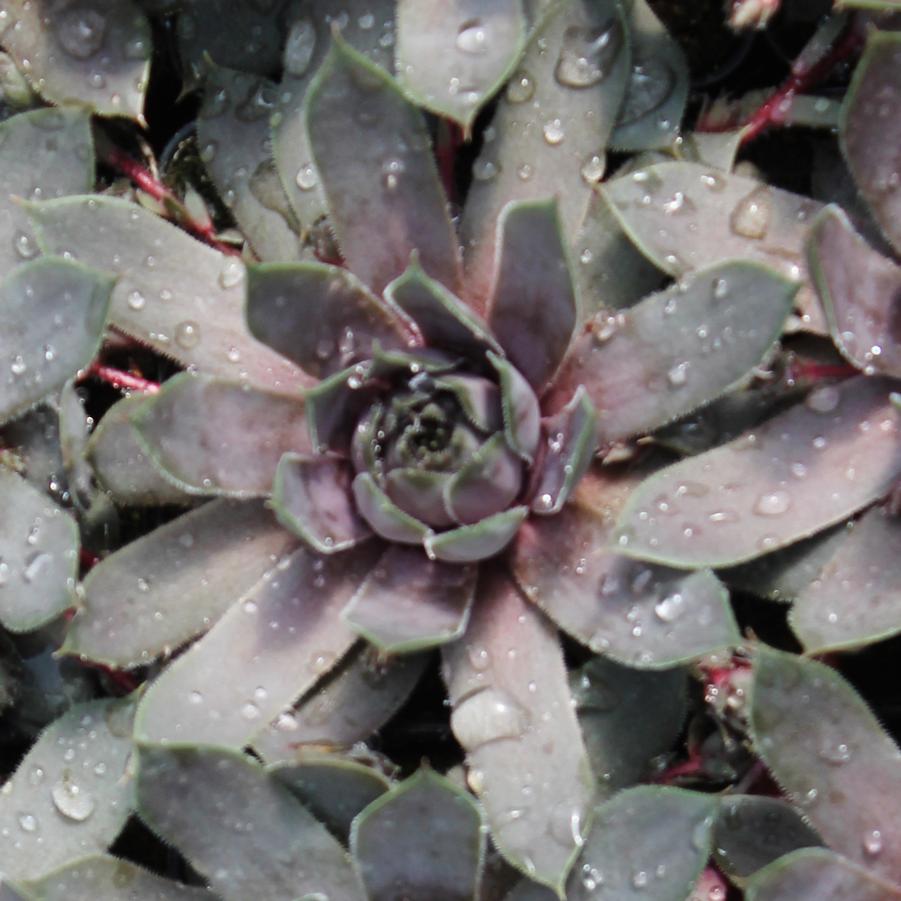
[(334, 789), (815, 874), (522, 415), (676, 350), (215, 437), (311, 497), (175, 294), (353, 701), (640, 834), (409, 603), (651, 113), (103, 877), (233, 137), (685, 216), (612, 703), (43, 153), (96, 56), (72, 792), (444, 320), (282, 636), (52, 316), (533, 307), (854, 601), (161, 590), (765, 490), (320, 317), (479, 399), (453, 55), (240, 827), (480, 541), (827, 751), (870, 130), (421, 839), (861, 293), (420, 493), (571, 442), (336, 404), (39, 546), (383, 515), (121, 465), (486, 484), (531, 772), (382, 190), (548, 135), (649, 617), (752, 831)]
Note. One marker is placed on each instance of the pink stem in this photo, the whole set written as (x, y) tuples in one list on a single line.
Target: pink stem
[(119, 379)]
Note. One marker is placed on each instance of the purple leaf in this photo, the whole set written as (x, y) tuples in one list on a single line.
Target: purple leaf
[(320, 317), (480, 541), (385, 517), (535, 765), (335, 406), (522, 416), (281, 637), (383, 189), (220, 438), (479, 399), (420, 493), (486, 484), (861, 292), (765, 490), (533, 305), (311, 497), (409, 602)]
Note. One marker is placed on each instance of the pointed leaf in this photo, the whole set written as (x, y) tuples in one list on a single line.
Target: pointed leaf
[(452, 56), (678, 349), (182, 298), (38, 556), (469, 544), (214, 437), (96, 56), (320, 317), (103, 877), (815, 874), (550, 128), (533, 306), (612, 701), (334, 789), (522, 416), (52, 314), (312, 498), (752, 831), (854, 601), (72, 792), (409, 602), (233, 137), (443, 319), (861, 292), (420, 493), (346, 707), (158, 592), (684, 216), (646, 843), (531, 772), (385, 517), (571, 442), (751, 496), (240, 827), (870, 130), (479, 399), (260, 656), (828, 752), (645, 616), (119, 461), (382, 190), (486, 484), (421, 839)]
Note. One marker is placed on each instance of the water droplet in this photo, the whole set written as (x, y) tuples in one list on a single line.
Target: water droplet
[(824, 399), (640, 879), (484, 170), (322, 661), (566, 825), (520, 88), (299, 47), (232, 273), (187, 334), (678, 375), (588, 54), (233, 355), (306, 177), (872, 843), (25, 246), (835, 752), (71, 800), (773, 503), (751, 216), (136, 300), (473, 37), (670, 608), (651, 83), (18, 365), (35, 564), (720, 289), (479, 658), (488, 715), (593, 168), (554, 132), (80, 30), (28, 822), (36, 776), (250, 711)]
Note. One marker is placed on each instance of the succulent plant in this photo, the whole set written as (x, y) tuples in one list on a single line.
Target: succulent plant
[(406, 368)]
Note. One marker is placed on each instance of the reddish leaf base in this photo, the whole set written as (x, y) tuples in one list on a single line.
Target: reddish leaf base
[(711, 886), (450, 140)]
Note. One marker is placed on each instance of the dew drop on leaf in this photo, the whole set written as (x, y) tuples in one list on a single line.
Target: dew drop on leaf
[(473, 37), (80, 31), (520, 88), (187, 334), (71, 800), (773, 503), (751, 216), (872, 843), (588, 54), (488, 715), (553, 132)]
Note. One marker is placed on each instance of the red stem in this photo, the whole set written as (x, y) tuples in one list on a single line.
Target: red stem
[(449, 142), (150, 184), (119, 379), (692, 767), (807, 371)]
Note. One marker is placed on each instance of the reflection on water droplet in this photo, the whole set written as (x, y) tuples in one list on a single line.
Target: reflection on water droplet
[(483, 170), (640, 879), (835, 752), (751, 216), (71, 800), (520, 88), (593, 168), (678, 375), (588, 54), (187, 334), (136, 300), (28, 822), (25, 246), (306, 177), (473, 37), (773, 503), (670, 608), (486, 716), (872, 843), (232, 273), (554, 132), (18, 365)]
